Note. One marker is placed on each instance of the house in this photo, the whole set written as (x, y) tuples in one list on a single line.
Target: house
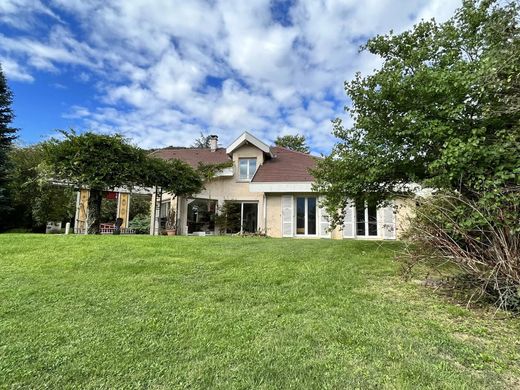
[(264, 189)]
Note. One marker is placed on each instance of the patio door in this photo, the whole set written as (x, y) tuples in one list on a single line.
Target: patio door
[(241, 217), (366, 220), (306, 215), (249, 217)]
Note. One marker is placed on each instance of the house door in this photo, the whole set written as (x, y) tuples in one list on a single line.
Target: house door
[(306, 216), (241, 217), (249, 217), (366, 220)]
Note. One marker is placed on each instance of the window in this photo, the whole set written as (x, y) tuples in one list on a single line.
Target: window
[(306, 215), (239, 217), (164, 211), (246, 168), (366, 219)]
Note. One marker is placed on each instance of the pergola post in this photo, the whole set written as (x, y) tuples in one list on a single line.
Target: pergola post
[(80, 225), (123, 208)]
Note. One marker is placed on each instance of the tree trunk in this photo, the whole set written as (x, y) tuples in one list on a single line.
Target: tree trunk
[(94, 211)]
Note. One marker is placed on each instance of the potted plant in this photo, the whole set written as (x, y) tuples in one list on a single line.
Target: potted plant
[(171, 224)]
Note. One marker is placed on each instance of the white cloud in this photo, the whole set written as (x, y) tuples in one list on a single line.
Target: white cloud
[(15, 71), (151, 61)]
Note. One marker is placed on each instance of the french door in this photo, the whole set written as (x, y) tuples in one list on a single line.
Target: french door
[(306, 215), (366, 220)]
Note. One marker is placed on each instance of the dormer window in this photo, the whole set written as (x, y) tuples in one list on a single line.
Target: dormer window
[(246, 168)]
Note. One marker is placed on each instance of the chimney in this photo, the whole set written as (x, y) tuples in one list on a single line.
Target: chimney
[(213, 142)]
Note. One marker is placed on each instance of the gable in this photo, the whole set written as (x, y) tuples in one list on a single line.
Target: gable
[(248, 139)]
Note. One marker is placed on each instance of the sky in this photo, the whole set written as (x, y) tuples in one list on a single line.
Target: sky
[(161, 72)]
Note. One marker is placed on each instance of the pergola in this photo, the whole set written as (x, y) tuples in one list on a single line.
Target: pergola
[(123, 207)]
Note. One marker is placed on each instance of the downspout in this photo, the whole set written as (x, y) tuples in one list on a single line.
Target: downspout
[(177, 217), (154, 212), (265, 214)]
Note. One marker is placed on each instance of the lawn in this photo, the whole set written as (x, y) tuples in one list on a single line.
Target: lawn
[(227, 312)]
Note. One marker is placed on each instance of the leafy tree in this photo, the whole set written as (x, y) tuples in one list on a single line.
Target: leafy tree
[(140, 205), (35, 201), (173, 176), (202, 142), (102, 162), (7, 135), (443, 110), (293, 142)]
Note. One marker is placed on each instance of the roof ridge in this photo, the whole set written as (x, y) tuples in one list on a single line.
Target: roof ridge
[(184, 148)]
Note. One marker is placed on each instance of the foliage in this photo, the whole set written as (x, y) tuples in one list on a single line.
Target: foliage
[(202, 142), (96, 161), (293, 142), (487, 251), (209, 171), (140, 224), (173, 176), (108, 210), (140, 205), (7, 135), (228, 218), (89, 312), (443, 111), (35, 201)]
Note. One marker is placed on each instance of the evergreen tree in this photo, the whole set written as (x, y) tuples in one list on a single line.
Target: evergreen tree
[(7, 135)]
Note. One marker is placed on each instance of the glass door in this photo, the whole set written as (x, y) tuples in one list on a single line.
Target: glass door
[(249, 217), (306, 215), (366, 220)]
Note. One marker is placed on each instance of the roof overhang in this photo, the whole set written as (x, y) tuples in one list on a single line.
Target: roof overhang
[(286, 186), (251, 139)]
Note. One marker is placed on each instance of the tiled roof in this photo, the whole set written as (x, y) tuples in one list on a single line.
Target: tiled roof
[(193, 156), (286, 165)]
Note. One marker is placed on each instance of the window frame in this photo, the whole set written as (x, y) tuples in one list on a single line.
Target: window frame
[(366, 222), (306, 216), (249, 176), (242, 203)]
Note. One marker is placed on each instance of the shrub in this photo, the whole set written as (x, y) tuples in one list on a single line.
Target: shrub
[(228, 218), (140, 224), (483, 240)]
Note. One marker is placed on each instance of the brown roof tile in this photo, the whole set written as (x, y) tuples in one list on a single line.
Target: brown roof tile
[(193, 156), (286, 165)]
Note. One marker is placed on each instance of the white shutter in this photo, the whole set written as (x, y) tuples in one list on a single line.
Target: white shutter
[(386, 222), (349, 222), (287, 216), (324, 224)]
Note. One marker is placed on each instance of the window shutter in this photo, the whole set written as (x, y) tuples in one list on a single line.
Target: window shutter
[(287, 216), (348, 223), (386, 222), (324, 223)]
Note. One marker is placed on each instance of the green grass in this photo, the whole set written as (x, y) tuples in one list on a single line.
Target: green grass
[(227, 312)]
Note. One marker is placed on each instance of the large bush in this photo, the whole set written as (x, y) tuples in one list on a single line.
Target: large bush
[(483, 241)]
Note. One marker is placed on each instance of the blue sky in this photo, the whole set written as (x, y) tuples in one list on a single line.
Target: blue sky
[(161, 72)]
